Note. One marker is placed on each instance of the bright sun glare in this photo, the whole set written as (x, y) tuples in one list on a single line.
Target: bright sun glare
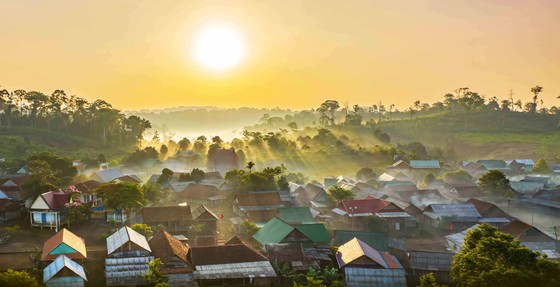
[(218, 47)]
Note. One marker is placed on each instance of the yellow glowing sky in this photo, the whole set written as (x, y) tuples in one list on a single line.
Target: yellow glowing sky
[(135, 53)]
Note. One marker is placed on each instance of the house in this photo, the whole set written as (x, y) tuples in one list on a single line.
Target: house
[(89, 193), (234, 264), (527, 164), (455, 241), (46, 210), (296, 215), (9, 209), (311, 195), (400, 164), (492, 164), (174, 256), (378, 240), (358, 213), (128, 255), (487, 209), (438, 263), (64, 272), (247, 202), (201, 194), (278, 231), (106, 175), (176, 219), (456, 191), (452, 215), (475, 169), (12, 187), (393, 175), (128, 178), (527, 188), (64, 243), (365, 266), (291, 254), (425, 164), (525, 232)]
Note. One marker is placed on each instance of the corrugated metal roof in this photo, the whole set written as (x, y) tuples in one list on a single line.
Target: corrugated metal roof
[(296, 214), (459, 238), (58, 264), (259, 269), (424, 164), (377, 240), (364, 277), (457, 210), (124, 235), (432, 261), (276, 230), (355, 248)]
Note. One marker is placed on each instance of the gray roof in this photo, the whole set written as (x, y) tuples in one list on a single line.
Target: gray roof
[(548, 248), (124, 235), (58, 264), (432, 261), (424, 164), (528, 188), (366, 277), (107, 175), (456, 210), (459, 238), (258, 269), (119, 271)]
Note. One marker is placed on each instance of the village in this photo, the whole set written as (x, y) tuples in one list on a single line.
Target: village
[(405, 223)]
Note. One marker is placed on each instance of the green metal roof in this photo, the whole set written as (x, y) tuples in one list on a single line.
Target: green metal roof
[(399, 183), (424, 164), (296, 215), (276, 230), (493, 164), (377, 240)]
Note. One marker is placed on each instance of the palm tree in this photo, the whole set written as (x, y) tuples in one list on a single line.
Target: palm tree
[(250, 165)]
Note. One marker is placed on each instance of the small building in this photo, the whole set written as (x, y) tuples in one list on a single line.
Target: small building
[(46, 210), (247, 202), (455, 241), (106, 175), (278, 231), (201, 194), (487, 209), (176, 218), (475, 169), (63, 272), (174, 256), (88, 192), (525, 232), (64, 243), (493, 164), (425, 164), (9, 209), (296, 215), (456, 216), (128, 256), (128, 178), (12, 187), (311, 195), (364, 266), (438, 263), (377, 240), (231, 265)]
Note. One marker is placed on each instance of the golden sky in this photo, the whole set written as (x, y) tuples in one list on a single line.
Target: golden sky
[(136, 54)]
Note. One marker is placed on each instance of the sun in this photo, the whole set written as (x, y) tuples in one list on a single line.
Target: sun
[(218, 47)]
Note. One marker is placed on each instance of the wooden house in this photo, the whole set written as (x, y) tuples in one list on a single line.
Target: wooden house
[(174, 255), (46, 210)]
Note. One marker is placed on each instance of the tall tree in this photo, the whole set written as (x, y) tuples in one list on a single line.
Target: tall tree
[(541, 167), (124, 196), (495, 182), (338, 194), (536, 90)]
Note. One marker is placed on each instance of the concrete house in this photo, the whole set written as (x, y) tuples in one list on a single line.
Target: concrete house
[(46, 210)]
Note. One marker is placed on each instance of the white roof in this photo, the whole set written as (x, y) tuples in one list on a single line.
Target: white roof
[(124, 235), (260, 269), (58, 264), (107, 175)]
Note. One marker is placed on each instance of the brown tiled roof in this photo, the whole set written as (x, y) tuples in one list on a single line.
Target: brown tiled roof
[(55, 199), (166, 213), (88, 186), (224, 254), (259, 199), (68, 238), (286, 252), (515, 228), (8, 205), (165, 247), (198, 191), (481, 206)]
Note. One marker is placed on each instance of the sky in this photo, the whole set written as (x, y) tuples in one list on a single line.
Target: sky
[(137, 54)]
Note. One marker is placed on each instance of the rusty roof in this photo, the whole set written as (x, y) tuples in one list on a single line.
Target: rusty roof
[(516, 228), (165, 247), (355, 249), (259, 199), (166, 213), (198, 191)]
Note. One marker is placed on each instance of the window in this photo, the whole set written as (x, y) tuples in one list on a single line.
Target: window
[(397, 226)]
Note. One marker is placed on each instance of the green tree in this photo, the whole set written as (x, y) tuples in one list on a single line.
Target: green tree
[(492, 258), (197, 175), (337, 194), (154, 275), (143, 229), (154, 192), (13, 278), (536, 90), (495, 182), (250, 165), (184, 144), (430, 177), (541, 167), (365, 174), (124, 196), (293, 126), (165, 177), (457, 176), (429, 280), (249, 228)]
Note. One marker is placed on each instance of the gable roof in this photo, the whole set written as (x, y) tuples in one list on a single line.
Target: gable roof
[(259, 199), (224, 254), (483, 206), (393, 175), (308, 193), (364, 207), (55, 200), (88, 186), (157, 214), (493, 164), (355, 248), (64, 242), (474, 166), (165, 247), (424, 164), (8, 205), (129, 178), (60, 263), (107, 175), (400, 164), (124, 235), (203, 210), (296, 215), (377, 240), (198, 191), (455, 210), (261, 216), (516, 228), (276, 230)]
